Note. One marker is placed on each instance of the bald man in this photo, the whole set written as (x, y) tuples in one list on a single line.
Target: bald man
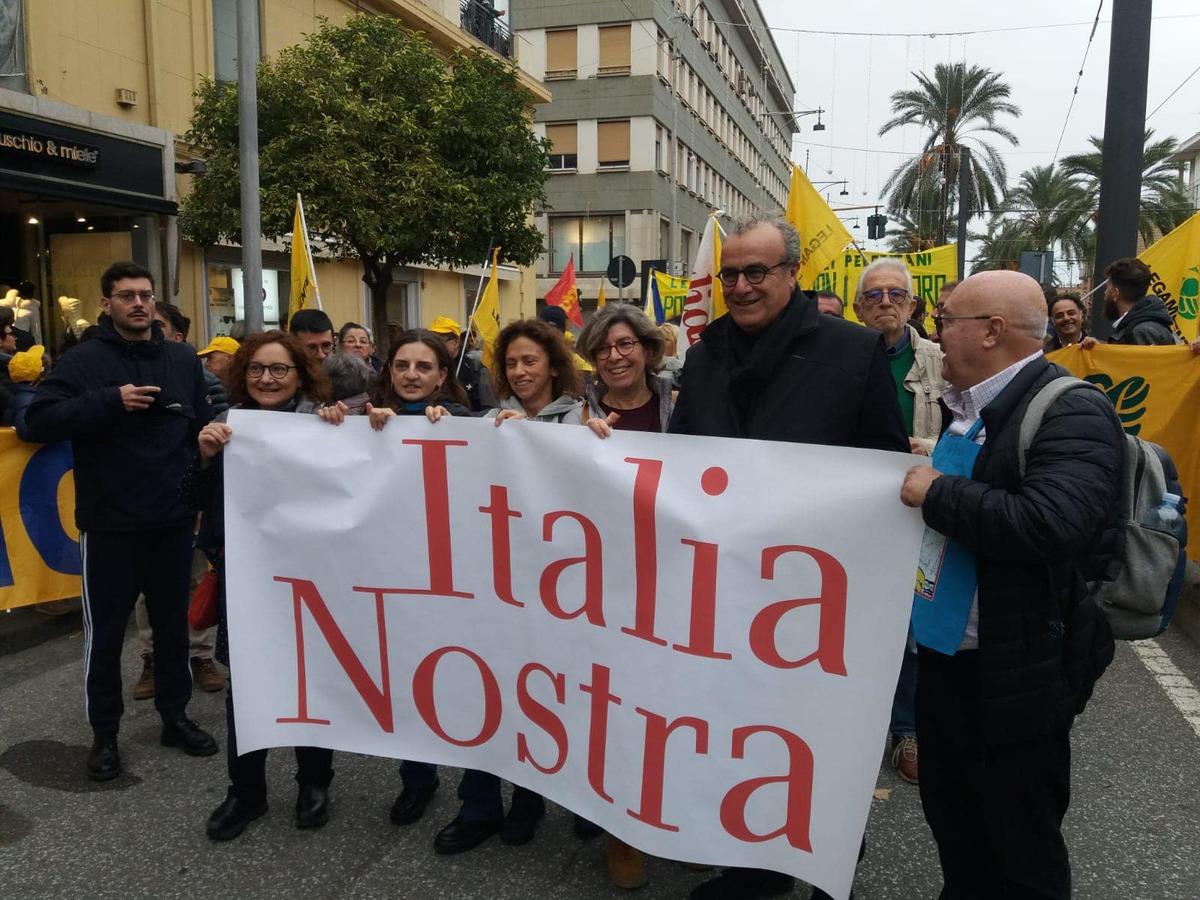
[(1012, 625)]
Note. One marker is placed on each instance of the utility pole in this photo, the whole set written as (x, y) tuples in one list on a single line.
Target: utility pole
[(1124, 142), (674, 59), (248, 51), (964, 206)]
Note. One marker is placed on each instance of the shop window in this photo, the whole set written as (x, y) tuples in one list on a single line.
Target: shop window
[(226, 304), (593, 241)]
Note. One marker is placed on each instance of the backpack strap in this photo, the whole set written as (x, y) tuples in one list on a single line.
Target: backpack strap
[(1036, 411)]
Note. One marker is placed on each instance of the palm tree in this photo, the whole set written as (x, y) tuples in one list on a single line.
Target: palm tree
[(1053, 208), (1001, 247), (1165, 204), (957, 106)]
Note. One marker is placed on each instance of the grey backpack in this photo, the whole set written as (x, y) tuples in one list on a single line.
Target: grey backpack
[(1139, 587)]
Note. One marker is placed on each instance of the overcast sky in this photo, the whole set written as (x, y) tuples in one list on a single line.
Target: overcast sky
[(852, 76)]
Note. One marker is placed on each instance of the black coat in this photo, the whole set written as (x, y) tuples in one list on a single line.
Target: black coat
[(128, 465), (1148, 322), (1032, 538), (810, 379)]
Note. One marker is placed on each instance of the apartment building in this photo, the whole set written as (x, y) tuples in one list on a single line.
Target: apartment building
[(95, 97), (662, 111)]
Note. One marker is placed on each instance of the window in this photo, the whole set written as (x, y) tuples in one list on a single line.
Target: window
[(614, 50), (225, 49), (662, 140), (593, 241), (561, 54), (612, 144), (12, 46), (563, 146)]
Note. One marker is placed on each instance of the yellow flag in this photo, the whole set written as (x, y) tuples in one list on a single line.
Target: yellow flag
[(304, 279), (718, 291), (671, 295), (487, 314), (822, 234), (1156, 392), (930, 269), (600, 301), (1174, 261)]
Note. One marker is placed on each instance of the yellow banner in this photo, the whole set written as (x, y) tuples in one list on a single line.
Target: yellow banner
[(672, 294), (1156, 392), (487, 315), (1174, 261), (39, 546), (304, 293), (930, 270), (822, 234)]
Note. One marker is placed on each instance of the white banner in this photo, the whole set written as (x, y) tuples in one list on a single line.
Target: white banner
[(693, 642)]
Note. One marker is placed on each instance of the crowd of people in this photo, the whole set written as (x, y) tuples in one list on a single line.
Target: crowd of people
[(983, 730)]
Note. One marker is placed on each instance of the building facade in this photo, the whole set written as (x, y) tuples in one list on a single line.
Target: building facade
[(662, 112), (95, 98)]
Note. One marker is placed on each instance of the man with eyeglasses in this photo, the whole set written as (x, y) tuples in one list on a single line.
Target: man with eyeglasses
[(315, 331), (1010, 643), (775, 369), (884, 301), (132, 404)]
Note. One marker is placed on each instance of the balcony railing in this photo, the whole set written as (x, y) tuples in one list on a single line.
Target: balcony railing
[(480, 19)]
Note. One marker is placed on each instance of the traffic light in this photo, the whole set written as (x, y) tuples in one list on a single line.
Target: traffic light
[(876, 226)]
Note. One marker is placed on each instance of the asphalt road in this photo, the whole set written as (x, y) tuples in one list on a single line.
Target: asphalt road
[(1133, 828)]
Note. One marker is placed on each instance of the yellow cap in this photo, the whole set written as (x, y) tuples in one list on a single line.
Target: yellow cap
[(221, 344), (443, 325), (26, 366)]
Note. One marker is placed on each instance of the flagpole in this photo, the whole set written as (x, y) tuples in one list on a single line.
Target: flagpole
[(312, 269), (462, 350)]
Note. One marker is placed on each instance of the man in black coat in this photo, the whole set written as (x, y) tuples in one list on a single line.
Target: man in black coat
[(775, 369), (1137, 316), (131, 403), (994, 718)]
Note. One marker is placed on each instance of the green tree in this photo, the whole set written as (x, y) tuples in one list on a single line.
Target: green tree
[(1001, 246), (402, 155), (1053, 209), (1165, 204), (957, 107)]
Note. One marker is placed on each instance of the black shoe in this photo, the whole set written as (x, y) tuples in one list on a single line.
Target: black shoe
[(819, 894), (522, 821), (231, 818), (411, 803), (312, 806), (462, 835), (186, 734), (585, 829), (104, 760), (743, 884)]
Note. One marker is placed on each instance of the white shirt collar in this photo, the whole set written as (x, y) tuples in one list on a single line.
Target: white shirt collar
[(967, 404)]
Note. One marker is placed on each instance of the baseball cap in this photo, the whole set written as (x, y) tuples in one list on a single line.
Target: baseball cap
[(444, 325), (555, 316), (222, 344)]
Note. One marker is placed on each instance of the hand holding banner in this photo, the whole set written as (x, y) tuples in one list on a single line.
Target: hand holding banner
[(700, 656)]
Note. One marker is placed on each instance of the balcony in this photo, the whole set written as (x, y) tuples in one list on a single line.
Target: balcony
[(480, 20)]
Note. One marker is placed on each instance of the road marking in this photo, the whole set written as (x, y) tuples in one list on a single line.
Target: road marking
[(1179, 690)]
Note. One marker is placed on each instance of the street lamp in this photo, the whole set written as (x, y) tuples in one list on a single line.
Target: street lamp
[(797, 113), (844, 192)]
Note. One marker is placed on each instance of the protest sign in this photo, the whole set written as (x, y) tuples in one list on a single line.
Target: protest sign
[(692, 642)]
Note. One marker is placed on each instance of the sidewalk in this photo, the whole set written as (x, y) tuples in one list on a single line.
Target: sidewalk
[(26, 627)]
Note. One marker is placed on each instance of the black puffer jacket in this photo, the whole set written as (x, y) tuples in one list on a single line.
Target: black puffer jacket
[(1031, 537), (128, 465), (809, 379), (1148, 323)]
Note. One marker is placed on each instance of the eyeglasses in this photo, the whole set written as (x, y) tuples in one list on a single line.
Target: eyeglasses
[(325, 347), (752, 274), (278, 370), (128, 296), (940, 320), (875, 297), (623, 347)]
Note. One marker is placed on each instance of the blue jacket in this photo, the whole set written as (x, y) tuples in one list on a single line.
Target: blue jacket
[(128, 465)]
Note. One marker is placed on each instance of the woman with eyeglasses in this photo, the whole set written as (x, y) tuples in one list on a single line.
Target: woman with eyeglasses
[(356, 340), (628, 394), (417, 380), (537, 380), (270, 371)]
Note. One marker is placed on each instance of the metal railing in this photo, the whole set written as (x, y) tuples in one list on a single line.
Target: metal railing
[(480, 19)]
